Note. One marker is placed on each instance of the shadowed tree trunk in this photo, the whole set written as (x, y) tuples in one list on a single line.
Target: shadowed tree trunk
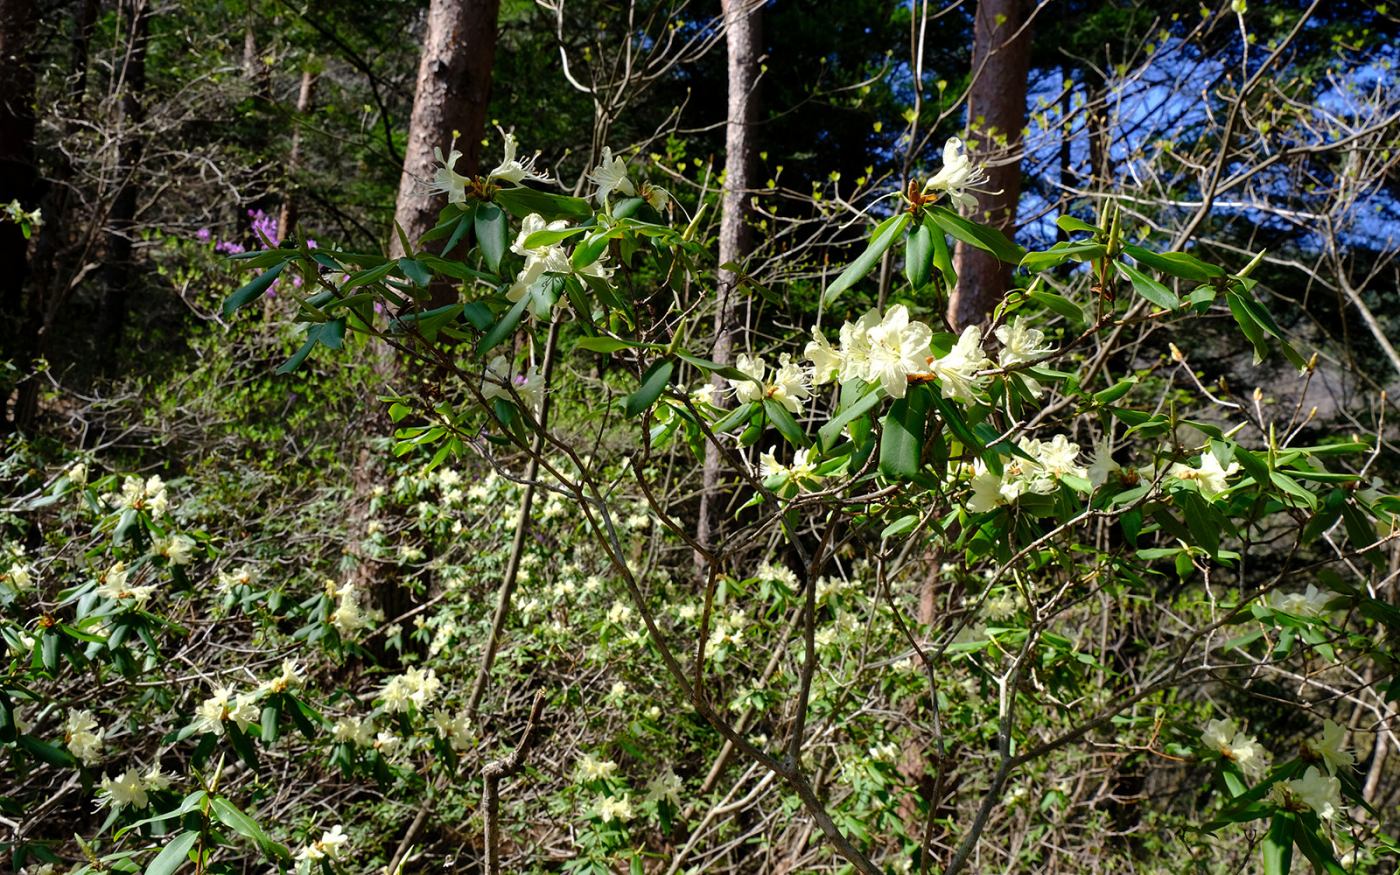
[(454, 85), (130, 83), (996, 115), (18, 175), (744, 40), (287, 218)]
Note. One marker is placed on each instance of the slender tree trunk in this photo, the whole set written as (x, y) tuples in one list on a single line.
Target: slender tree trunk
[(287, 218), (18, 175), (41, 299), (454, 86), (996, 115), (121, 225), (744, 41)]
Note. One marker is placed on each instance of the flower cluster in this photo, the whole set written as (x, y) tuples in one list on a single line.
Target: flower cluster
[(1209, 477), (787, 385), (350, 615), (113, 584), (223, 706), (130, 788), (545, 259), (500, 378), (330, 846), (415, 688), (83, 736), (1037, 469), (148, 495), (511, 169)]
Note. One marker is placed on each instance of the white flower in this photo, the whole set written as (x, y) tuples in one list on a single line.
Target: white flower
[(958, 176), (1210, 477), (1315, 790), (179, 549), (416, 687), (826, 361), (155, 779), (789, 386), (1057, 456), (664, 786), (591, 769), (539, 260), (353, 730), (609, 808), (1329, 748), (1311, 602), (1102, 464), (656, 196), (957, 371), (884, 753), (289, 679), (456, 729), (704, 395), (83, 737), (751, 389), (447, 180), (986, 489), (128, 789), (1225, 738), (349, 615), (20, 576), (222, 705), (330, 846), (610, 175), (511, 169), (1020, 343), (803, 466), (77, 474), (1218, 733), (897, 348), (241, 576)]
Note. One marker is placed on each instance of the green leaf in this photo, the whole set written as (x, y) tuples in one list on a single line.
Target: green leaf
[(522, 201), (415, 271), (881, 239), (1178, 264), (981, 236), (502, 329), (782, 420), (918, 256), (828, 433), (491, 233), (654, 381), (245, 826), (901, 526), (549, 237), (609, 344), (1069, 224), (902, 441), (49, 753), (169, 860), (252, 290), (1060, 253), (942, 256), (1147, 287), (740, 414), (1058, 304), (367, 276), (1116, 391)]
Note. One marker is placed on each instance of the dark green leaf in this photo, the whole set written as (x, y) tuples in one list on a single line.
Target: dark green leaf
[(492, 232), (169, 860), (1178, 264), (654, 381), (782, 420), (902, 440), (523, 201), (252, 290), (918, 256), (1149, 288), (502, 329), (1060, 253), (981, 236), (881, 239)]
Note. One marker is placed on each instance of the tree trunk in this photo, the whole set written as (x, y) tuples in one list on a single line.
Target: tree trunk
[(121, 225), (454, 85), (996, 115), (744, 42), (287, 218), (18, 175)]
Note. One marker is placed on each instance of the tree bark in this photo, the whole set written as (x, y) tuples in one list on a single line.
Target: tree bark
[(454, 86), (18, 175), (996, 115), (287, 218), (121, 224), (744, 44)]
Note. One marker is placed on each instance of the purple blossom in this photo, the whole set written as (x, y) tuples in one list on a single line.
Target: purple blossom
[(203, 235)]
